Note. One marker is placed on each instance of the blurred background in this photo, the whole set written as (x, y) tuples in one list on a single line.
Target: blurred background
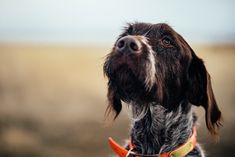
[(52, 89)]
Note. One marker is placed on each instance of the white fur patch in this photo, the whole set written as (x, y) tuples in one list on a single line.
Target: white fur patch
[(149, 66)]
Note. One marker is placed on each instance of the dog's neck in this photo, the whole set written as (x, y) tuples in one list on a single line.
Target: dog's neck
[(156, 130)]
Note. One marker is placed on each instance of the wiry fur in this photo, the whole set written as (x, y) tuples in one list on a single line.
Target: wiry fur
[(155, 131), (160, 83)]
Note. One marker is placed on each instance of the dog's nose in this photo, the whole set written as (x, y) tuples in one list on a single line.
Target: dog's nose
[(128, 44)]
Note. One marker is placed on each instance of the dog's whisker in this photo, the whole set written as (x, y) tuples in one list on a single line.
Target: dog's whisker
[(145, 34)]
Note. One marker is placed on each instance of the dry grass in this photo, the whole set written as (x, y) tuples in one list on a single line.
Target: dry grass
[(52, 101)]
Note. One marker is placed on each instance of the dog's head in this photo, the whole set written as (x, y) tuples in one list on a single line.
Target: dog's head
[(151, 63)]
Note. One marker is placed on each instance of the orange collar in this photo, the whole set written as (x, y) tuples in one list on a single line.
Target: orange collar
[(181, 151)]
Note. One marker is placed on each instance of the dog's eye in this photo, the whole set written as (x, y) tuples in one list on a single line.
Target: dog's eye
[(166, 42)]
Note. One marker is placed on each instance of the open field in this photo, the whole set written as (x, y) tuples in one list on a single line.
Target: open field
[(52, 101)]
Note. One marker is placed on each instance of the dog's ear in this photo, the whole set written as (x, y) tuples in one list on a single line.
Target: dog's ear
[(114, 102), (201, 94)]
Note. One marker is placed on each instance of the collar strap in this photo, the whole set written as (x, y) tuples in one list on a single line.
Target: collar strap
[(181, 151)]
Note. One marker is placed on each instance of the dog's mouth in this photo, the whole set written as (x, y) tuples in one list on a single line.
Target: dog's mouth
[(129, 85)]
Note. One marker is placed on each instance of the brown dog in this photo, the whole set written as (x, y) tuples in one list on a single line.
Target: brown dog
[(152, 68)]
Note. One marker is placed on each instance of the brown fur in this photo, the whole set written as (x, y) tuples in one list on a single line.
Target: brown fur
[(180, 75)]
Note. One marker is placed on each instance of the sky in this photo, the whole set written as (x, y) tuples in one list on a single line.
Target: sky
[(100, 21)]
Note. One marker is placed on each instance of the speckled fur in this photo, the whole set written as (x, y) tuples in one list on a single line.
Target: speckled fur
[(157, 130)]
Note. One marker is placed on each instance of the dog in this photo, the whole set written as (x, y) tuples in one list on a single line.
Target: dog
[(155, 71)]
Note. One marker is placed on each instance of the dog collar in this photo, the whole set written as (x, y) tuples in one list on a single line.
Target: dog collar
[(181, 151)]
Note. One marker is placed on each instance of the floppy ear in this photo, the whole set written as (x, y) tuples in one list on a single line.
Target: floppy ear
[(114, 102), (201, 94)]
